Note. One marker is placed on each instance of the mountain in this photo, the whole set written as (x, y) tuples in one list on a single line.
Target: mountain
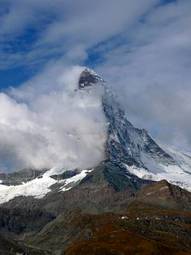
[(133, 150), (62, 210)]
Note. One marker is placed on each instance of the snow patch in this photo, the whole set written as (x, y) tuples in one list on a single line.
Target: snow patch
[(75, 179), (39, 186), (172, 173), (183, 159)]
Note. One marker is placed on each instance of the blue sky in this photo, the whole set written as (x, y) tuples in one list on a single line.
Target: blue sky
[(21, 36), (141, 47)]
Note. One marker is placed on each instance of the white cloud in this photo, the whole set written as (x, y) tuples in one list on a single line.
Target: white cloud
[(48, 122)]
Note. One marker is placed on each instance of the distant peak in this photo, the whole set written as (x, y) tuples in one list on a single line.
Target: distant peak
[(88, 78)]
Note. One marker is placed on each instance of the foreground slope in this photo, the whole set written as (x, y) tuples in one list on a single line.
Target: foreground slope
[(146, 226), (112, 234)]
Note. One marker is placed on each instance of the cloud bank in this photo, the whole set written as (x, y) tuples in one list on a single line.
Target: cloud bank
[(47, 122), (142, 48)]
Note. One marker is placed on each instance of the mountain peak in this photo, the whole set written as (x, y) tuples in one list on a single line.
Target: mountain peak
[(88, 78)]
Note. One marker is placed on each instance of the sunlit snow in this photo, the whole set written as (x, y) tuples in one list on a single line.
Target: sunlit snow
[(40, 186)]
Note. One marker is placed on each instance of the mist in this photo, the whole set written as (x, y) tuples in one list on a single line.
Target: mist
[(48, 122)]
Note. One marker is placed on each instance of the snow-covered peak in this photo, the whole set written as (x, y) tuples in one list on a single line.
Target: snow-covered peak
[(137, 150)]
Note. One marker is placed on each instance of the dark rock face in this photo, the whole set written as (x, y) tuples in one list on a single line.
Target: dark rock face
[(88, 78), (120, 179)]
